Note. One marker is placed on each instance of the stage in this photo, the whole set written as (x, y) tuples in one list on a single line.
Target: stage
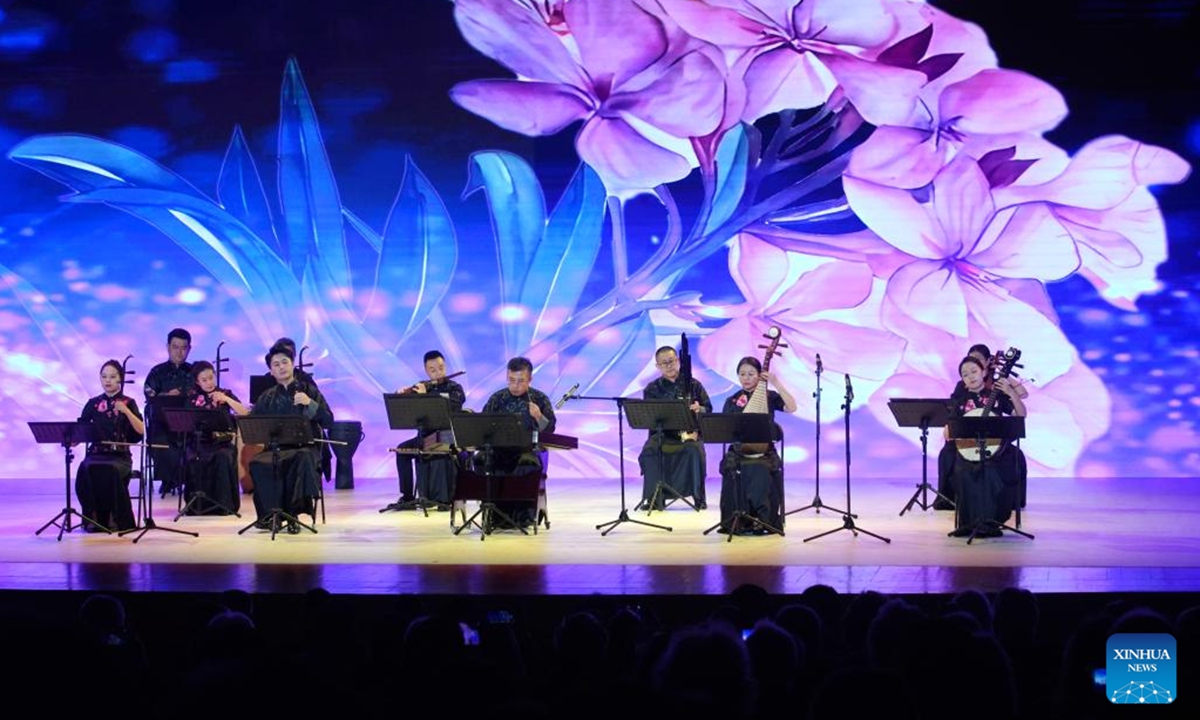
[(1093, 535)]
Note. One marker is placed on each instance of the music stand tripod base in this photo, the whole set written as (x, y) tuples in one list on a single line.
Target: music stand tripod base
[(980, 429), (65, 434), (273, 432), (731, 428), (196, 422)]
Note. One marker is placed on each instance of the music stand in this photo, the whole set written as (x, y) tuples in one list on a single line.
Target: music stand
[(623, 516), (489, 432), (660, 416), (729, 428), (65, 434), (272, 431), (424, 413), (981, 428), (197, 422), (921, 413)]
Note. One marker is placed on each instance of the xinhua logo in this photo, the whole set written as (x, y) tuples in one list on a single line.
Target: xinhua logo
[(1140, 669)]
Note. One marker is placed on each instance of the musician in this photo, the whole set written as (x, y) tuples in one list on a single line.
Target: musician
[(168, 379), (761, 481), (297, 485), (949, 450), (992, 496), (435, 474), (211, 456), (534, 407), (680, 464), (303, 376), (102, 481)]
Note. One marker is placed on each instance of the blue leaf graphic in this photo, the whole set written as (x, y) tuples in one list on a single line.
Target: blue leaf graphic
[(612, 356), (419, 251), (733, 155), (85, 163), (307, 190), (565, 256), (240, 190), (518, 210)]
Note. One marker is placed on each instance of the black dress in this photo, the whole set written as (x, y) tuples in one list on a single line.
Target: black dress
[(992, 495), (680, 464), (759, 477), (102, 481), (294, 483), (212, 467)]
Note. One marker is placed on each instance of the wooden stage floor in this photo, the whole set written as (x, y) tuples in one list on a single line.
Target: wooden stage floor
[(1092, 535)]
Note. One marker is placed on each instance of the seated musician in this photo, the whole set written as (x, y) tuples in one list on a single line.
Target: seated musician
[(761, 473), (677, 463), (434, 474), (299, 466), (535, 408), (949, 451), (992, 496), (212, 460), (102, 481), (303, 376), (170, 378)]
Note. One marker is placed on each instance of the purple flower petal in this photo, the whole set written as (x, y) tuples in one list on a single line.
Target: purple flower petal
[(1002, 101), (530, 108), (687, 100), (898, 219), (617, 39), (898, 157), (625, 159), (517, 38)]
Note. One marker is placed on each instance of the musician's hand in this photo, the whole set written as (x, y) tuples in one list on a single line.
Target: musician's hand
[(1004, 386), (697, 407), (174, 391), (122, 406), (301, 399), (219, 397), (764, 376), (420, 388), (535, 412)]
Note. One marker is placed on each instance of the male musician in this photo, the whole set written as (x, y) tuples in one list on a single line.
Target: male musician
[(305, 377), (678, 464), (520, 398), (297, 484), (436, 474), (170, 379)]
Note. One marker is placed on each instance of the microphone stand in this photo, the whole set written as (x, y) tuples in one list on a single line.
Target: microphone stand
[(816, 503), (623, 516), (848, 517)]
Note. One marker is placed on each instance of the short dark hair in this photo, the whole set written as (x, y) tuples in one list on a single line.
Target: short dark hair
[(982, 349), (518, 364), (288, 342), (116, 364), (180, 333), (432, 355), (663, 349), (200, 366), (752, 362), (279, 349)]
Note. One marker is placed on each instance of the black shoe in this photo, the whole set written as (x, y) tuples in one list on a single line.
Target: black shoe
[(940, 504), (961, 532), (293, 528), (991, 532), (442, 507), (262, 524), (701, 505)]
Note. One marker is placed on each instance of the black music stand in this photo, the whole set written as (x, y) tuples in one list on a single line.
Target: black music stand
[(272, 431), (424, 413), (729, 428), (197, 422), (65, 435), (980, 429), (921, 413), (660, 416), (623, 516), (489, 432)]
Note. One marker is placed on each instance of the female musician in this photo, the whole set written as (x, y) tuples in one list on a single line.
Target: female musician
[(991, 497), (102, 482), (212, 459), (761, 481)]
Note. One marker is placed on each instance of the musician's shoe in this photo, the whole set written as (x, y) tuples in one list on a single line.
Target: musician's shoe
[(990, 532), (293, 528), (941, 504), (442, 507), (701, 505), (961, 532), (262, 524)]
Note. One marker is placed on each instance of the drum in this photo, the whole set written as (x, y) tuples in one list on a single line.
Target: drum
[(346, 435)]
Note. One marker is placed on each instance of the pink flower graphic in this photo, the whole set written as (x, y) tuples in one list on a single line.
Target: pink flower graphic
[(640, 90)]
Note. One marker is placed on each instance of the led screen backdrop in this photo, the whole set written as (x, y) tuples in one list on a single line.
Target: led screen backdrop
[(580, 182)]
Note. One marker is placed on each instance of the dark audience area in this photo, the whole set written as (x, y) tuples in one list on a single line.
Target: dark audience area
[(819, 654)]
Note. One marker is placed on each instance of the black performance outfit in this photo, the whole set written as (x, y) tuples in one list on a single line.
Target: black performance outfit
[(212, 463), (435, 475), (992, 496), (761, 479), (507, 461), (102, 481), (299, 466), (161, 380), (681, 464)]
